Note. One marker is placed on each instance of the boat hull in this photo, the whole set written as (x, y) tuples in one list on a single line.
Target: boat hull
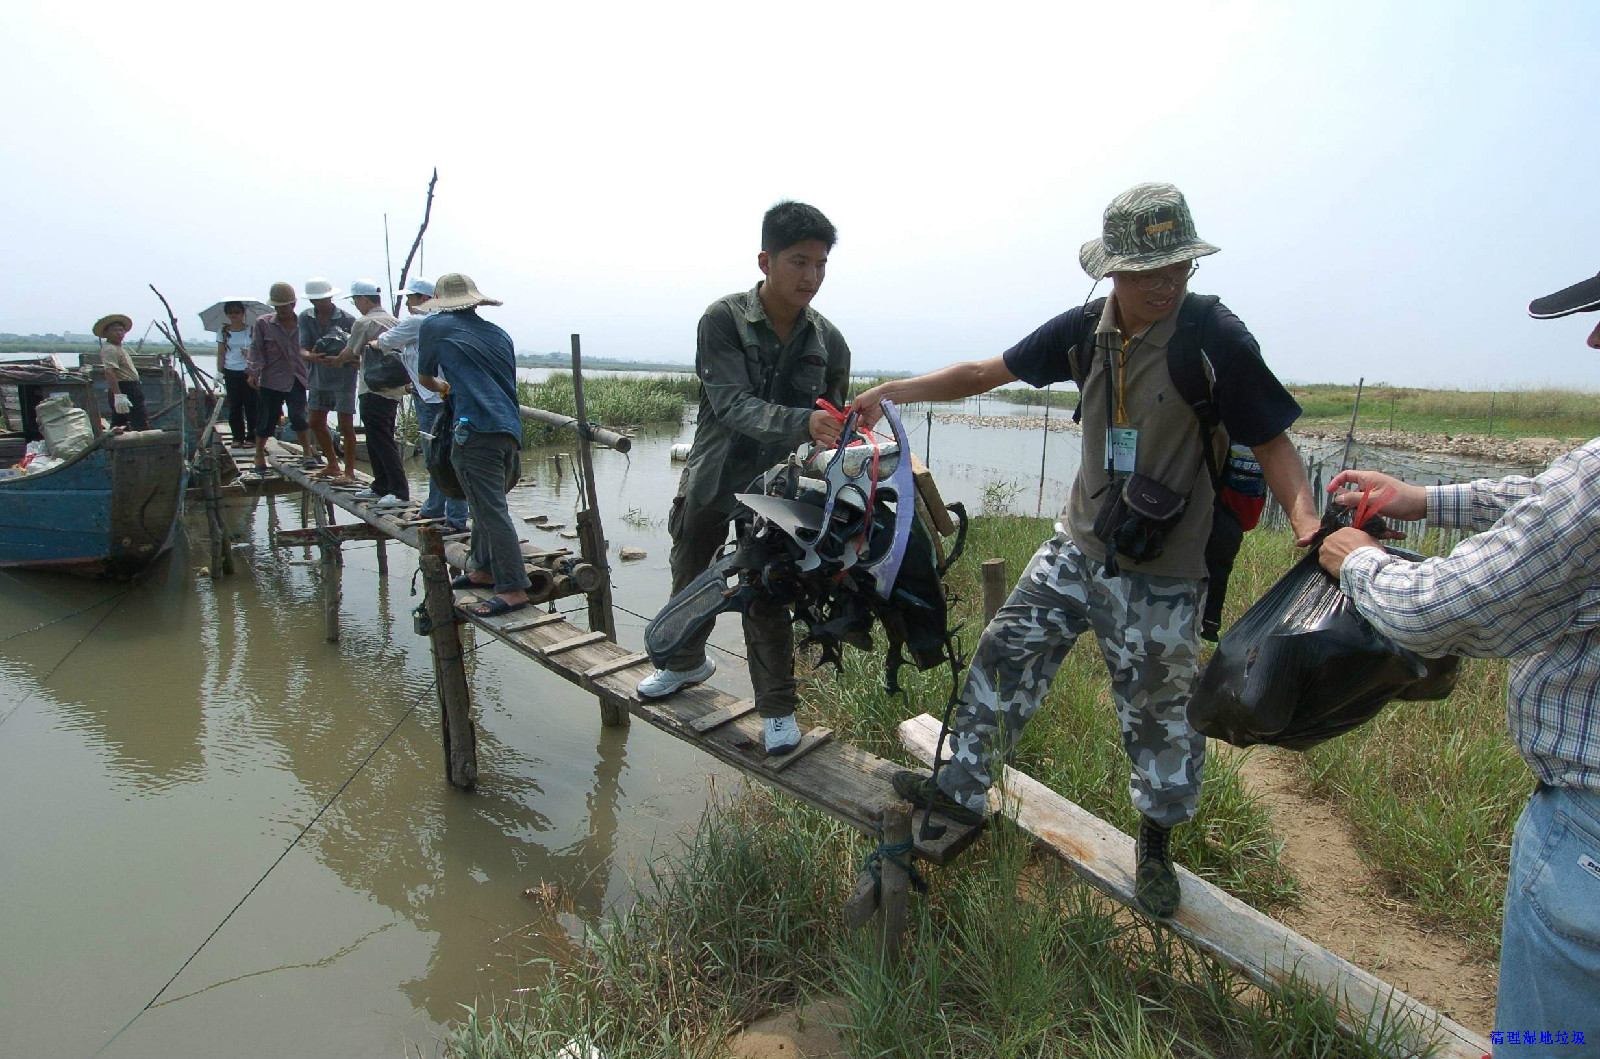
[(111, 512)]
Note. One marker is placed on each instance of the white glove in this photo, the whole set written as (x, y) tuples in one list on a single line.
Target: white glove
[(120, 402)]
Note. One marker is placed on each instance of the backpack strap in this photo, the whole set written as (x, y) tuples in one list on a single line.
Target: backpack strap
[(1195, 376), (1079, 358)]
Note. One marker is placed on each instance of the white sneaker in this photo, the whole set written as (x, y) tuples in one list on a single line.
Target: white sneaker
[(365, 494), (781, 733), (664, 682), (390, 500)]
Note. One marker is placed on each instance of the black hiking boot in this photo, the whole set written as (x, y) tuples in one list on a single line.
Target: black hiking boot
[(923, 793), (1155, 885)]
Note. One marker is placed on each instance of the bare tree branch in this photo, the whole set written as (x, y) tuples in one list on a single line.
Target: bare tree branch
[(427, 212)]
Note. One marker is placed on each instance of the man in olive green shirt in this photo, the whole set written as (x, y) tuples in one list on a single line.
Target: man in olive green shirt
[(764, 357)]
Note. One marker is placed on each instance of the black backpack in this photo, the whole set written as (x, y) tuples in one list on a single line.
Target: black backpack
[(1192, 373)]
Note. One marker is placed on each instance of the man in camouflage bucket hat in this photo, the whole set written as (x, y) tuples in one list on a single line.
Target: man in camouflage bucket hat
[(1145, 610)]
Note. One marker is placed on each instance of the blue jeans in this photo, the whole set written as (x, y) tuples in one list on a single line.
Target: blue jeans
[(1550, 943), (437, 505)]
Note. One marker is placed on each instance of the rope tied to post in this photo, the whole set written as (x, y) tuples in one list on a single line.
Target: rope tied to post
[(893, 852)]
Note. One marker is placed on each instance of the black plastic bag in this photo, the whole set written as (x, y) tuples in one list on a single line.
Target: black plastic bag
[(436, 453), (1302, 666), (384, 371)]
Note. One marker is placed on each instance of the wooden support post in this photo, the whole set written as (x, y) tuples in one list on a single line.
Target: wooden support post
[(328, 545), (383, 558), (895, 881), (994, 587), (449, 668), (592, 540)]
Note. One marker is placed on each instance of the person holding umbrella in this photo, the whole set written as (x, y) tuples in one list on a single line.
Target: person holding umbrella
[(231, 320)]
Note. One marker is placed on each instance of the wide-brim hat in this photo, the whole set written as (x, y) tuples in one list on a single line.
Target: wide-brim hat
[(100, 325), (454, 291), (317, 287), (1583, 297), (1148, 226), (282, 293)]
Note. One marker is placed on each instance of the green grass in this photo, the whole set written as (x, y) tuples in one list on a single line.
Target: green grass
[(1431, 789), (1516, 413), (1009, 956), (610, 401)]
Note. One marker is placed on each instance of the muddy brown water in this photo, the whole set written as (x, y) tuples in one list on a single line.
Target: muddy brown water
[(162, 747)]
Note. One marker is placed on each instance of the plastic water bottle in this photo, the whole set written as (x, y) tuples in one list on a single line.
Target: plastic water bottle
[(463, 430)]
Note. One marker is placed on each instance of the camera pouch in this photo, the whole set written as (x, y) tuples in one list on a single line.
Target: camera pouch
[(1134, 521)]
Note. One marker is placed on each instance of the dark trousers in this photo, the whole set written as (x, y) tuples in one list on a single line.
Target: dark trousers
[(768, 625), (242, 405), (134, 418), (270, 405), (487, 465), (388, 475)]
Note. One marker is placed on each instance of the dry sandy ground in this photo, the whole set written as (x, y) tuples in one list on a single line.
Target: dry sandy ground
[(1344, 909)]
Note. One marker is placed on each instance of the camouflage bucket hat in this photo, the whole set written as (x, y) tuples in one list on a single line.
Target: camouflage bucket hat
[(1148, 226)]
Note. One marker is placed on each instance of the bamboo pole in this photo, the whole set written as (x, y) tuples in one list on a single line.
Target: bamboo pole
[(609, 438), (383, 558), (449, 667)]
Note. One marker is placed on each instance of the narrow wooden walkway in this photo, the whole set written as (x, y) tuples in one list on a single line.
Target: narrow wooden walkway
[(842, 780), (1265, 951)]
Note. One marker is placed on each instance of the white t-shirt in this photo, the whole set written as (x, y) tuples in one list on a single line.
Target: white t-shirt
[(238, 346)]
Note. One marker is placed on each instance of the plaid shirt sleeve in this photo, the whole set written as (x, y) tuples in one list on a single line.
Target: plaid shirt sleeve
[(1529, 578)]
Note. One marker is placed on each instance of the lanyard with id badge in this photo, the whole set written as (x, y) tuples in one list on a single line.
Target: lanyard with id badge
[(1137, 511)]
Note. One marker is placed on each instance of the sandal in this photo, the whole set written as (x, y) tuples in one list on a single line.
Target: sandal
[(466, 581), (495, 606)]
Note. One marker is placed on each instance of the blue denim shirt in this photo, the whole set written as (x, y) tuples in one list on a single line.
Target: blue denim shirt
[(481, 363)]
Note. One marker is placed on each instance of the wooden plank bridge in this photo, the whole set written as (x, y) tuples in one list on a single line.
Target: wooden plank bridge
[(842, 780)]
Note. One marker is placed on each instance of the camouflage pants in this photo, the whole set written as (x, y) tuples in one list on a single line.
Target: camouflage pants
[(1146, 626)]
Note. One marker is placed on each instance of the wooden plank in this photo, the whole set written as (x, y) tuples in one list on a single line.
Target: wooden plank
[(616, 665), (938, 514), (808, 742), (1259, 947), (531, 623), (721, 716), (562, 646)]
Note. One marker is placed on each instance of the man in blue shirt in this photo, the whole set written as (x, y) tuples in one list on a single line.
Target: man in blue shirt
[(481, 363)]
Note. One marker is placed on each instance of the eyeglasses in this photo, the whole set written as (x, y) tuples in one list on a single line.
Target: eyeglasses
[(1175, 275)]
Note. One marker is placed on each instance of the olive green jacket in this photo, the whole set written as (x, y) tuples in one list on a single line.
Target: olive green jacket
[(757, 393)]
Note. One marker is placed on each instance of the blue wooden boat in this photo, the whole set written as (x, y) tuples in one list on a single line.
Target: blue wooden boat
[(110, 511)]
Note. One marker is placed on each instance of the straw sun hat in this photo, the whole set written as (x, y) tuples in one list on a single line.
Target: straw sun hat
[(100, 325), (454, 291)]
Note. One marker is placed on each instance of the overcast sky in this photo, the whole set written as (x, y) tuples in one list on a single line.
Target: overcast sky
[(1390, 184)]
